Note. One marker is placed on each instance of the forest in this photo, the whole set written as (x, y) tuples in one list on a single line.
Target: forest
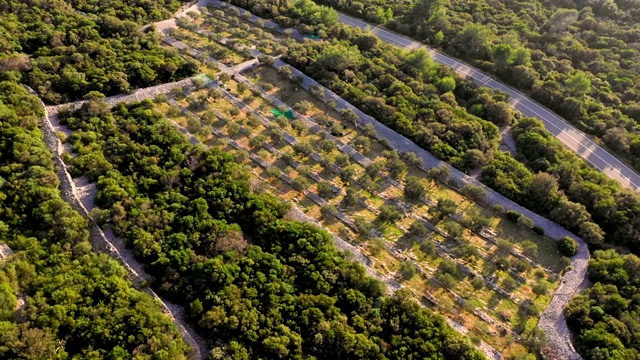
[(64, 55), (58, 299), (575, 56), (606, 317), (255, 284)]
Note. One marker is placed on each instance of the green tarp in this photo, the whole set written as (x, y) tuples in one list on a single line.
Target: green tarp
[(288, 114)]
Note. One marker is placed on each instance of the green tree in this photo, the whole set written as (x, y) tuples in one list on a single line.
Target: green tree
[(418, 229), (388, 214), (414, 188), (568, 246), (407, 270), (578, 84), (446, 207)]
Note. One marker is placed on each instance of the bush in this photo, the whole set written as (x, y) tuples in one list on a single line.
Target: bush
[(447, 281), (538, 230), (568, 246), (529, 248), (512, 215), (427, 247), (525, 222), (408, 270), (418, 229)]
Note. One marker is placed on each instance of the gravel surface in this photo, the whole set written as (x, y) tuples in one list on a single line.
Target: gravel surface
[(5, 251), (137, 95)]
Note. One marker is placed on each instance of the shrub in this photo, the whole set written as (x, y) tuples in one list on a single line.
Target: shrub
[(512, 215), (568, 246), (525, 222), (538, 230), (408, 270)]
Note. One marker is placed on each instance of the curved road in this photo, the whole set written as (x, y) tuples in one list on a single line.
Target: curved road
[(573, 138)]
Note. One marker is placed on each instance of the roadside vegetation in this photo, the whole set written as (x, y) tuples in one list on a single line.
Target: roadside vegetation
[(576, 57)]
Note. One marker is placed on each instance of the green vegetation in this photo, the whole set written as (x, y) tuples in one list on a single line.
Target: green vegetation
[(606, 316), (58, 300), (64, 55), (139, 11), (396, 88), (576, 57), (401, 90), (420, 244), (254, 284), (568, 246)]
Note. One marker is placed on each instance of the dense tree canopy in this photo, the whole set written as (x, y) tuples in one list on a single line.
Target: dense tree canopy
[(57, 298), (63, 55), (606, 317), (255, 285)]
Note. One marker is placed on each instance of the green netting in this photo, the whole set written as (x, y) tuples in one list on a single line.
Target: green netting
[(288, 113), (312, 37)]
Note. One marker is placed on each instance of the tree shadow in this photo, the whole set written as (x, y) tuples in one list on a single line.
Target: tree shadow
[(494, 301), (405, 242)]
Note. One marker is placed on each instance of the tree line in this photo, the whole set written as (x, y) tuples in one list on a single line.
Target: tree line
[(58, 299), (254, 284)]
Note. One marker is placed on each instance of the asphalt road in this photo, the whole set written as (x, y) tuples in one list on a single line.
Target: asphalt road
[(573, 138)]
